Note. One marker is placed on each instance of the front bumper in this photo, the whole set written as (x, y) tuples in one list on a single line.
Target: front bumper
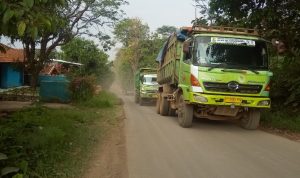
[(227, 100), (148, 95)]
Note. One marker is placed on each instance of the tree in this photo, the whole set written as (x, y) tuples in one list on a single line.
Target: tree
[(200, 21), (138, 50), (274, 18), (49, 24), (165, 31), (150, 49), (131, 33), (125, 74), (206, 17), (128, 31), (94, 60)]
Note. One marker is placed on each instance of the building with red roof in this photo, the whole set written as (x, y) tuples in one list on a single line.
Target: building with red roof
[(11, 72)]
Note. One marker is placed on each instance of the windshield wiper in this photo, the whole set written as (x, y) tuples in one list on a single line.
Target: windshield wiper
[(254, 71), (216, 66), (239, 70)]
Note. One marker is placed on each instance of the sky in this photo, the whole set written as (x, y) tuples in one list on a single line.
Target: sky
[(157, 13)]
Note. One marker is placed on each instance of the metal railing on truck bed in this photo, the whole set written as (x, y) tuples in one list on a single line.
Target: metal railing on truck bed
[(221, 29)]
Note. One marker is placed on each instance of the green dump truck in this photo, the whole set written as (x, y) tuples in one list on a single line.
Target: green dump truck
[(212, 72), (146, 85)]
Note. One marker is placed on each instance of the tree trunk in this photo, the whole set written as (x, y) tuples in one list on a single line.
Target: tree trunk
[(34, 79)]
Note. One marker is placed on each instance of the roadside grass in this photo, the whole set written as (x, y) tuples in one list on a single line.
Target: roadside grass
[(47, 142), (103, 100), (282, 120)]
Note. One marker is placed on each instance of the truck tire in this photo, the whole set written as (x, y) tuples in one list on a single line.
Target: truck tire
[(185, 113), (158, 103), (164, 106), (136, 98), (251, 120), (172, 112), (141, 101)]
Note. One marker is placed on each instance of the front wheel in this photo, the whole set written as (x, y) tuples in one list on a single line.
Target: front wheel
[(164, 106), (136, 98), (251, 119), (141, 101), (158, 103), (185, 113)]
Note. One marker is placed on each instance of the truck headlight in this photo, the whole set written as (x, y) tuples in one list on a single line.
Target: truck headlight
[(264, 103), (201, 99), (197, 89)]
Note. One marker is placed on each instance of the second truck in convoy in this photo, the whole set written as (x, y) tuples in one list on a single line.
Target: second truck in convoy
[(216, 73), (145, 85)]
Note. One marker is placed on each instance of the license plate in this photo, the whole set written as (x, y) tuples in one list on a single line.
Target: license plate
[(232, 100)]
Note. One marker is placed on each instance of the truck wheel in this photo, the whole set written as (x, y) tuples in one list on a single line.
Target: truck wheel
[(172, 112), (164, 106), (185, 113), (158, 103), (141, 101), (251, 120), (136, 98)]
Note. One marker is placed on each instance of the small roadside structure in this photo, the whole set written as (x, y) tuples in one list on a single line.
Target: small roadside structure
[(58, 67), (54, 86), (11, 72)]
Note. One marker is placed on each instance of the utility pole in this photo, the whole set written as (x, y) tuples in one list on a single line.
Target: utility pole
[(195, 6), (195, 9)]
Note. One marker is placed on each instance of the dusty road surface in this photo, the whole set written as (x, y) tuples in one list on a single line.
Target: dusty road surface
[(158, 148)]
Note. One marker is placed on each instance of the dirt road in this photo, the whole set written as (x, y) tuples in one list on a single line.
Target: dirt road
[(158, 148)]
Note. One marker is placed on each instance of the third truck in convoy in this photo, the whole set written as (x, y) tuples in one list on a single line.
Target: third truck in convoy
[(216, 73)]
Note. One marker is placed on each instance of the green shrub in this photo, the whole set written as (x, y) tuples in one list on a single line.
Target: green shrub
[(283, 120), (83, 88), (102, 100), (285, 88)]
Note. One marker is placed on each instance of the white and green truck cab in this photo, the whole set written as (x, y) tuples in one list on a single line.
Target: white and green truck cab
[(146, 85), (217, 73)]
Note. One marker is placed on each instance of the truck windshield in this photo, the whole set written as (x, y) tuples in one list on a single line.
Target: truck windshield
[(230, 53), (149, 80)]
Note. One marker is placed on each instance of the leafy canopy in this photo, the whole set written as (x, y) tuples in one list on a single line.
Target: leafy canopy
[(47, 24), (86, 52)]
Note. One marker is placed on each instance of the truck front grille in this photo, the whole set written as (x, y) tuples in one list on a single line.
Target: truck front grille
[(223, 87), (151, 91)]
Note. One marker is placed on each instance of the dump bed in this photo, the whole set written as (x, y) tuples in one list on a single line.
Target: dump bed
[(169, 65)]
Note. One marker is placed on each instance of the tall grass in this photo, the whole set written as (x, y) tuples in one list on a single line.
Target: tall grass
[(103, 100), (55, 142)]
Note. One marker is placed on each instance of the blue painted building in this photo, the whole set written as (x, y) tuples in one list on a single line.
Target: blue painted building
[(10, 74)]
